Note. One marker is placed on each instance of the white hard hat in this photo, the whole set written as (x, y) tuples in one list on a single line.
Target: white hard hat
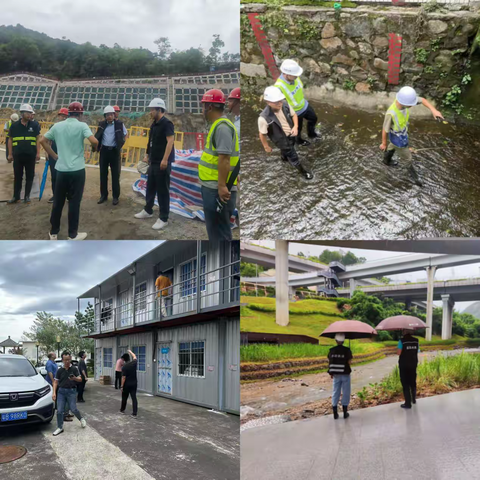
[(26, 108), (273, 94), (14, 117), (340, 337), (291, 67), (407, 96), (108, 109), (157, 103)]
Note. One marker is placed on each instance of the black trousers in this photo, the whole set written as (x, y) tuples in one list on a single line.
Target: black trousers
[(217, 223), (132, 391), (311, 117), (408, 377), (6, 148), (20, 163), (69, 185), (118, 378), (53, 172), (158, 184), (80, 389), (109, 158), (290, 154)]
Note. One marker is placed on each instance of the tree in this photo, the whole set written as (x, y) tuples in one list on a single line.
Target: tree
[(300, 254), (328, 256), (351, 259), (84, 324), (215, 49), (250, 269), (164, 48)]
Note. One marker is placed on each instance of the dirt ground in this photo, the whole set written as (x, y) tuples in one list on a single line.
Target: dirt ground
[(101, 222)]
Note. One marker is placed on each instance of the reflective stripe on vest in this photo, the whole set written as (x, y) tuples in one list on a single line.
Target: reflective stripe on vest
[(208, 165), (32, 140), (399, 129), (293, 93)]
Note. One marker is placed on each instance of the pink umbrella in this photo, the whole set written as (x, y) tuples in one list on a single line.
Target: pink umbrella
[(351, 328), (401, 322)]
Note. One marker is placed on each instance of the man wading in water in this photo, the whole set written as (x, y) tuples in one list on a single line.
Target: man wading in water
[(395, 127)]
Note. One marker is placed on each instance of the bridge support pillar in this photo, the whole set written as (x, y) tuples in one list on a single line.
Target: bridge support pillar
[(447, 317), (281, 283), (430, 286), (352, 284), (408, 303)]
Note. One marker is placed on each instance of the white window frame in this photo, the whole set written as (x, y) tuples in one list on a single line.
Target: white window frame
[(138, 357), (194, 279), (190, 365), (103, 357), (138, 298)]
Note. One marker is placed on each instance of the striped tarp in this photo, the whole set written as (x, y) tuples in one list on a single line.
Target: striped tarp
[(185, 188)]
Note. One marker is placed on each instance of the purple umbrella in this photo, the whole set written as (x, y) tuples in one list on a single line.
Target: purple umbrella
[(351, 328), (401, 322)]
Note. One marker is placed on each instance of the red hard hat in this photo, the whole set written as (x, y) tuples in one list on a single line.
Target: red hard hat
[(116, 108), (75, 107), (213, 96), (63, 111), (235, 93)]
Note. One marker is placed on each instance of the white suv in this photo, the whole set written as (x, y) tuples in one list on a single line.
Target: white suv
[(25, 396)]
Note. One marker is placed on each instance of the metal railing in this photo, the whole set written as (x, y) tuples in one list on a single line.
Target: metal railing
[(132, 152), (181, 299)]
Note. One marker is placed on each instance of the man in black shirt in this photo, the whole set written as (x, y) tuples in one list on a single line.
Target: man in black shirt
[(82, 367), (129, 382), (23, 151), (407, 351), (339, 359), (65, 387), (160, 156)]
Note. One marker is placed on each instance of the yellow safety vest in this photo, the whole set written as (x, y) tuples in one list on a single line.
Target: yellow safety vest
[(32, 140), (398, 134), (8, 128), (208, 165), (293, 92)]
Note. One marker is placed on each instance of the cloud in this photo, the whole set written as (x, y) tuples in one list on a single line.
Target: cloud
[(47, 276), (187, 23)]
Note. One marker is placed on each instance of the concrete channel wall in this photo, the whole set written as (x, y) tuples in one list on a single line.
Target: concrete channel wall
[(345, 54)]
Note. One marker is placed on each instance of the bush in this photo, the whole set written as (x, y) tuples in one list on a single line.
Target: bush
[(384, 336)]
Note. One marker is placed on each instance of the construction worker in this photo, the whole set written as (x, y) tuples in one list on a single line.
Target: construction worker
[(160, 156), (234, 107), (339, 360), (13, 118), (111, 138), (62, 115), (23, 151), (395, 127), (219, 158), (69, 137), (292, 87), (279, 122)]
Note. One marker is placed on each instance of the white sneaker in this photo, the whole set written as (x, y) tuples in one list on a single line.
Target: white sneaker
[(159, 224), (143, 214), (58, 431), (80, 236), (83, 422), (52, 237)]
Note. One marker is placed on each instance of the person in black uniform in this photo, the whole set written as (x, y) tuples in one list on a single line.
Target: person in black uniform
[(129, 382), (339, 359), (408, 349), (82, 367), (23, 151)]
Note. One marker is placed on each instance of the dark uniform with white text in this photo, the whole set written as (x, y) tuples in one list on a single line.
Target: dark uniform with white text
[(407, 365)]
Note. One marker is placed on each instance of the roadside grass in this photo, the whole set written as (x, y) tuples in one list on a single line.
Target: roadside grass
[(441, 374), (315, 3)]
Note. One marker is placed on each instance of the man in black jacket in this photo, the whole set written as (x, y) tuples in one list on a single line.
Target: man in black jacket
[(129, 382), (82, 367), (279, 123), (111, 137), (339, 359), (407, 350), (160, 156)]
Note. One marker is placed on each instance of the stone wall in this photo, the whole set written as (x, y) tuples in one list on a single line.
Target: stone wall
[(348, 51)]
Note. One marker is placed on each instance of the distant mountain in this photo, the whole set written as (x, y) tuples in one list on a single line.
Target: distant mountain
[(473, 309)]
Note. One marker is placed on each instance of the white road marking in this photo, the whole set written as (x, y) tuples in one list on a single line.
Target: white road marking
[(86, 455), (218, 448)]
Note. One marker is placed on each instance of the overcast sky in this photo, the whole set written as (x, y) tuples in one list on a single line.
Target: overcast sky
[(48, 276), (187, 23), (465, 271)]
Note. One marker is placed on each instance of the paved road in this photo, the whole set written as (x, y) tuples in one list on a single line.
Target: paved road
[(168, 440), (438, 439)]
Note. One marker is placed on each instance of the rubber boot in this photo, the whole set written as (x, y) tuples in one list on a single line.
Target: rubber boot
[(335, 413), (302, 142), (345, 412), (388, 158), (414, 176), (305, 173)]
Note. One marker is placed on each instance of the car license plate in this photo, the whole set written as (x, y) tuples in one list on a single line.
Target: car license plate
[(9, 417)]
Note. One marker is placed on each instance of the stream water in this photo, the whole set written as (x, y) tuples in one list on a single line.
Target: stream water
[(353, 194)]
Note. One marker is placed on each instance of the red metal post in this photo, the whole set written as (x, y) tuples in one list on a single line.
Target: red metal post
[(394, 58)]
